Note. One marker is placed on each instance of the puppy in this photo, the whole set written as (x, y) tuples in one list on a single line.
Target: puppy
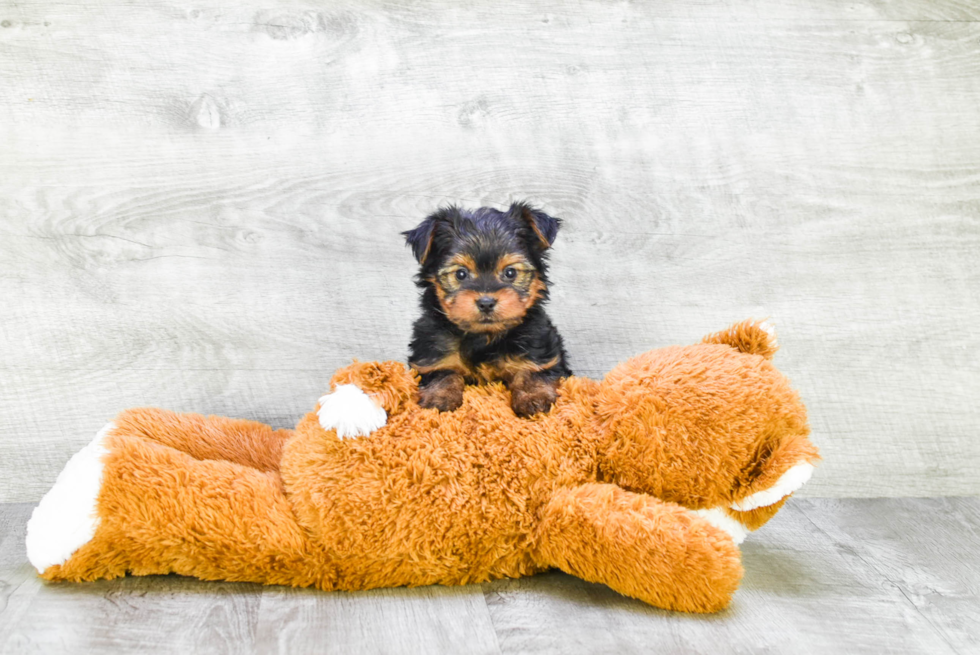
[(483, 275)]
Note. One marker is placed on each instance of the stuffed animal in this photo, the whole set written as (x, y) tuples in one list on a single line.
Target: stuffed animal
[(644, 481)]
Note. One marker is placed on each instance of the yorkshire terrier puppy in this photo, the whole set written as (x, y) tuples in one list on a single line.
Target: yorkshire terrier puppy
[(484, 280)]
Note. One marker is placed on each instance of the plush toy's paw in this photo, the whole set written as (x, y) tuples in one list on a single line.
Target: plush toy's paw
[(718, 518), (788, 482), (350, 412), (66, 518)]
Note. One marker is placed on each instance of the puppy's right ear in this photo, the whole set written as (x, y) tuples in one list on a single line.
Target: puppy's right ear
[(420, 238)]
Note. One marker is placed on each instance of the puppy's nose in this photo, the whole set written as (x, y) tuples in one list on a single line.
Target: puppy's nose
[(486, 303)]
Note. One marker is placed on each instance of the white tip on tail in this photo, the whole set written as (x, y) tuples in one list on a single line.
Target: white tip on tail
[(789, 482), (66, 518), (718, 518), (350, 412)]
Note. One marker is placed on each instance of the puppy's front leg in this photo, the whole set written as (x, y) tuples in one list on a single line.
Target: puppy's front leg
[(442, 390), (532, 393)]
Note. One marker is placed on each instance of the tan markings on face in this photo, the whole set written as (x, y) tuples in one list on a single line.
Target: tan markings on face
[(440, 292), (534, 291), (446, 276), (516, 261), (526, 273), (462, 310), (463, 260), (455, 304), (513, 301), (511, 305)]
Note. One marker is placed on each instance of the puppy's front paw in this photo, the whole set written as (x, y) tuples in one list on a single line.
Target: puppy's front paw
[(537, 399), (444, 394)]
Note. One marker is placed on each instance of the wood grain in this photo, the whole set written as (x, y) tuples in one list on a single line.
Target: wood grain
[(422, 621), (824, 576), (201, 204)]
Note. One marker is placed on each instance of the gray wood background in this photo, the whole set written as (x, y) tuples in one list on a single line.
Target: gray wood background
[(200, 202)]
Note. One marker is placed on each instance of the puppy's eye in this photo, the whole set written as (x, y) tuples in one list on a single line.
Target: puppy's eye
[(461, 274), (510, 273)]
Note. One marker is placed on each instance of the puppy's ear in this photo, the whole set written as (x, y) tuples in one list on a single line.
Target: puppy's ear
[(544, 227), (420, 238)]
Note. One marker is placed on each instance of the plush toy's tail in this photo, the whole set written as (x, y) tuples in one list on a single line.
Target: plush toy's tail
[(752, 337)]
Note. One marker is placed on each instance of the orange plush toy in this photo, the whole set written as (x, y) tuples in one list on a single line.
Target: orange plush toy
[(645, 482)]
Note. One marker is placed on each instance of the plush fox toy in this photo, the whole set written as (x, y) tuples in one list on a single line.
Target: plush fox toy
[(645, 482)]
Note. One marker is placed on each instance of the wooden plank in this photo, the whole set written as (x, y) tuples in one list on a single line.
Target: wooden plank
[(924, 547), (201, 206), (423, 621)]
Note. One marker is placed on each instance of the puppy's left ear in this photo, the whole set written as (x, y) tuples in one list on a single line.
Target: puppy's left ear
[(544, 227)]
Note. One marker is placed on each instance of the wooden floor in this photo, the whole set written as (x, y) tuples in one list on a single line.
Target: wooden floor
[(825, 576)]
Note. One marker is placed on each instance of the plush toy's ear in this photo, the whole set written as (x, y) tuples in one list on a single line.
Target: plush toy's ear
[(544, 227), (420, 238)]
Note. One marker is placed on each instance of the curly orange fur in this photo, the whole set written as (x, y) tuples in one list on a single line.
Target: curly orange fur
[(601, 486)]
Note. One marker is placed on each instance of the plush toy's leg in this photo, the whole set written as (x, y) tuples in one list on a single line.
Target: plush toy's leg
[(640, 546), (126, 504), (208, 437)]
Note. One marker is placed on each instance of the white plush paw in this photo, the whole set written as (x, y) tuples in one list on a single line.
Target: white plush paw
[(718, 518), (350, 412), (66, 518), (789, 482)]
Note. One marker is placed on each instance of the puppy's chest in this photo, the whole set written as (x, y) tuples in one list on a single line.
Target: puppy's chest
[(481, 362)]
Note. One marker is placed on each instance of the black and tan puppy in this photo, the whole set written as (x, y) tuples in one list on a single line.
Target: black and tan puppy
[(484, 280)]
